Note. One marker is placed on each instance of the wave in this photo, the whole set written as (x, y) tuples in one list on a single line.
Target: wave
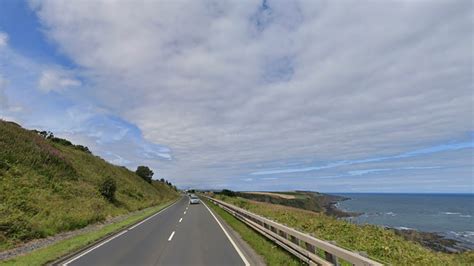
[(465, 237), (404, 228), (458, 214)]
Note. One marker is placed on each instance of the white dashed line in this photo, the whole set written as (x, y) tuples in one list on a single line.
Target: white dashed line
[(180, 220), (171, 236), (184, 212), (117, 235), (152, 216)]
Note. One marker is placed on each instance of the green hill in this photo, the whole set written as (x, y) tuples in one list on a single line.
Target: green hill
[(49, 185)]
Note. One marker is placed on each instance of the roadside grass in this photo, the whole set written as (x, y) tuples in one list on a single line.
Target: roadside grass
[(62, 248), (47, 187), (377, 242), (271, 253)]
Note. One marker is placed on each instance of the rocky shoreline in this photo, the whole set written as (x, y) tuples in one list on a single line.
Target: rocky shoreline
[(434, 241), (331, 209)]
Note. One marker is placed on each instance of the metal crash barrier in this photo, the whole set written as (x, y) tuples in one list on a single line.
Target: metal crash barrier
[(299, 244)]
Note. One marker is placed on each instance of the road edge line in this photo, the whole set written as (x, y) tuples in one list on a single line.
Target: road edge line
[(241, 254), (94, 247), (105, 239)]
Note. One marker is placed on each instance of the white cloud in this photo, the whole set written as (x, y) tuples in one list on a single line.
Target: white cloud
[(3, 39), (56, 80), (230, 85)]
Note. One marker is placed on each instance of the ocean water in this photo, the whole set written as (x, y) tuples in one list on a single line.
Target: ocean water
[(451, 215)]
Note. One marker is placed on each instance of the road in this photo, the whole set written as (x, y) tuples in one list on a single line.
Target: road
[(182, 234)]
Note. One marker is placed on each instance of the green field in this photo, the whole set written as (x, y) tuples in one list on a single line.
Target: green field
[(377, 242), (47, 187)]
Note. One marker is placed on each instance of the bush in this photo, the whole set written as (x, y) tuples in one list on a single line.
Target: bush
[(49, 135), (83, 148), (4, 166), (145, 173), (108, 188), (61, 141), (227, 192)]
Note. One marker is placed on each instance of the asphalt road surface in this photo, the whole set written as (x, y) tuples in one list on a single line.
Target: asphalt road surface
[(182, 234)]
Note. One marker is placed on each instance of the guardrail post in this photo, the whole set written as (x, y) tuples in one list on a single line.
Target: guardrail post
[(331, 258), (310, 248), (294, 240), (273, 229)]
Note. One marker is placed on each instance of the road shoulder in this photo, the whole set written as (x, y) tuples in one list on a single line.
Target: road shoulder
[(252, 257)]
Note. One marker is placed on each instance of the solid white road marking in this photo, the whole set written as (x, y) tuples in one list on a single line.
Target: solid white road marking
[(180, 220), (171, 236), (230, 239), (91, 249), (115, 236)]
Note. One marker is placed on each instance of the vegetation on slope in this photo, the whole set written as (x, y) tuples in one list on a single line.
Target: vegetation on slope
[(377, 242), (306, 200), (46, 255), (49, 185)]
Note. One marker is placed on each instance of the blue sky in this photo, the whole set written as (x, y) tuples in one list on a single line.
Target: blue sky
[(271, 95)]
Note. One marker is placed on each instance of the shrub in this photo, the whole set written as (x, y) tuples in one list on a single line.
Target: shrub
[(227, 192), (61, 141), (83, 148), (108, 188), (145, 173), (4, 166)]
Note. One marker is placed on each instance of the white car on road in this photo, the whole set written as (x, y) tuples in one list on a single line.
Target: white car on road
[(193, 199)]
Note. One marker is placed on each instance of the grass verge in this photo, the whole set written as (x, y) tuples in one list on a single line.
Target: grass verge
[(271, 253), (57, 250), (379, 243)]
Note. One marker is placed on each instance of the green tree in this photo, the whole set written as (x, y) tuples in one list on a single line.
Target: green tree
[(108, 188), (228, 192), (145, 173)]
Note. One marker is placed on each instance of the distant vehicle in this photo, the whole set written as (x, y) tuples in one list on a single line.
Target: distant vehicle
[(193, 199)]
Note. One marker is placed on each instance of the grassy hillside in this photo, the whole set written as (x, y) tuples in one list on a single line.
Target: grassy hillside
[(306, 200), (377, 242), (51, 186)]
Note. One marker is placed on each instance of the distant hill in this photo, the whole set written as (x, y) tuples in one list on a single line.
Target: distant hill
[(49, 185), (306, 200)]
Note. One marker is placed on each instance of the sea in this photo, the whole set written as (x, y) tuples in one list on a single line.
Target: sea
[(450, 215)]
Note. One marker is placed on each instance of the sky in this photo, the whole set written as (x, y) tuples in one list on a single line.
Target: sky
[(332, 96)]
